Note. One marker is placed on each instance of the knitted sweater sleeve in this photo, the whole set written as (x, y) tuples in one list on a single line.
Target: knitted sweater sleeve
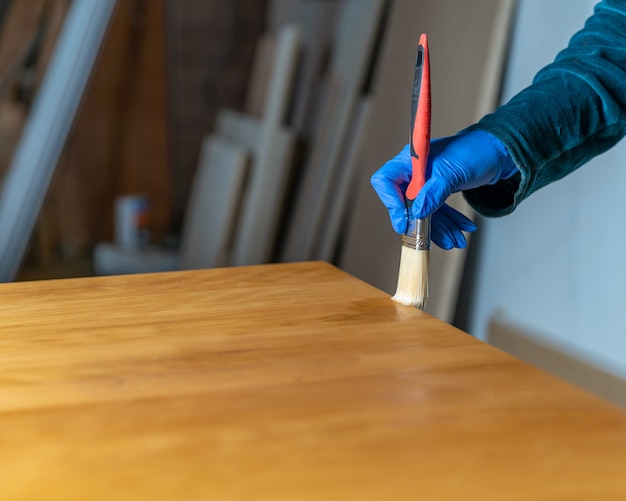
[(574, 110)]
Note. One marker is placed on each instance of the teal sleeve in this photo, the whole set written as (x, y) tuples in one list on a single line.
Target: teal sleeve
[(574, 110)]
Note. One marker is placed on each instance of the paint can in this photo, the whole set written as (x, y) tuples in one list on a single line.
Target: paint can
[(132, 220)]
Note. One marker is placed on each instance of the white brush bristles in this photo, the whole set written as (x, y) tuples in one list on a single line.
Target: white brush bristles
[(412, 287)]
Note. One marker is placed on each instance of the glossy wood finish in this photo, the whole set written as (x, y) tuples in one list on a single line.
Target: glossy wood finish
[(291, 381)]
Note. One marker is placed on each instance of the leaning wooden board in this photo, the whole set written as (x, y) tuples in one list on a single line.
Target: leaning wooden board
[(271, 150), (214, 204), (467, 47), (356, 33), (290, 381), (272, 146)]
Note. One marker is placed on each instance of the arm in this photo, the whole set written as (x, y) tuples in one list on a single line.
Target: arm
[(574, 110)]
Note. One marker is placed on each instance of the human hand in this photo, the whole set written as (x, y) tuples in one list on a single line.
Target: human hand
[(456, 163)]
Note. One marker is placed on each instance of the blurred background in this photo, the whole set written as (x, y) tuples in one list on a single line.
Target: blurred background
[(155, 135)]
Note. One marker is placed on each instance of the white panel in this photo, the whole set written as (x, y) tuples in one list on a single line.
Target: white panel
[(213, 204), (272, 149), (356, 32)]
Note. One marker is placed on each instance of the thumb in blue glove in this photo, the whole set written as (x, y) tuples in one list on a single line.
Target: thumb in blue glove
[(467, 160)]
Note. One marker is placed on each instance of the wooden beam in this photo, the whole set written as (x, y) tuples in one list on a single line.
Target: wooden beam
[(214, 204)]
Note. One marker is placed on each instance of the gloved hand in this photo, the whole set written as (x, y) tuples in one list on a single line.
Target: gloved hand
[(456, 163)]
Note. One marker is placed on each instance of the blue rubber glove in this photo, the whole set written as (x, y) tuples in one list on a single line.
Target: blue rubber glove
[(456, 163)]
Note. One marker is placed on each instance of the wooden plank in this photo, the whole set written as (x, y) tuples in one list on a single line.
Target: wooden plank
[(372, 249), (256, 233), (261, 208), (294, 246), (356, 32), (448, 266), (260, 75), (294, 382), (282, 74), (343, 195), (214, 204), (240, 128), (317, 22)]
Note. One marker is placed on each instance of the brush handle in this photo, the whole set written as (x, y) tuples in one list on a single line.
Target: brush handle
[(419, 138)]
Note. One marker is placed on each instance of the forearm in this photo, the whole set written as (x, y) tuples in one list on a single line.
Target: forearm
[(574, 110)]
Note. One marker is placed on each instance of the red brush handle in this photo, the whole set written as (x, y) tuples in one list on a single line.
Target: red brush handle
[(420, 119)]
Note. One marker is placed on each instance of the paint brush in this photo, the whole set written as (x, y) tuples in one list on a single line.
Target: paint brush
[(413, 288)]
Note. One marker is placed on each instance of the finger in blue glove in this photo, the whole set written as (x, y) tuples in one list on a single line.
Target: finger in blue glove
[(447, 227)]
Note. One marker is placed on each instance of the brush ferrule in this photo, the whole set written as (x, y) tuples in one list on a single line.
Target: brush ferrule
[(417, 235)]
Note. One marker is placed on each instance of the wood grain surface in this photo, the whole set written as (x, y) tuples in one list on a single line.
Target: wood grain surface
[(287, 381)]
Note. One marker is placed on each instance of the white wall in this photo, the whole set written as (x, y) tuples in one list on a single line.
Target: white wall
[(557, 266)]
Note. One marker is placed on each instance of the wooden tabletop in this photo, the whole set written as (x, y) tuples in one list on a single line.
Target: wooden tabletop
[(292, 381)]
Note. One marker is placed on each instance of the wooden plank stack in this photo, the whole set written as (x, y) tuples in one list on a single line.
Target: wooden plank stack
[(270, 145), (305, 101)]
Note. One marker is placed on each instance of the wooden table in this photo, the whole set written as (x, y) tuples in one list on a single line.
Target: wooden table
[(288, 382)]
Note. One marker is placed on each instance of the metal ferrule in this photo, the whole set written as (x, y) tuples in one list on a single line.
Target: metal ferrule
[(417, 235)]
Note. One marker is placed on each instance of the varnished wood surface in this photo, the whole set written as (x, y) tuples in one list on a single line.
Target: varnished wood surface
[(279, 382)]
